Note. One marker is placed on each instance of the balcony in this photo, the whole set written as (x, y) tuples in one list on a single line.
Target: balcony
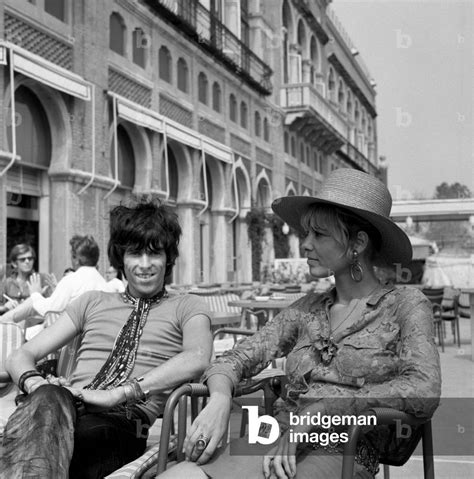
[(358, 159), (308, 112), (197, 23)]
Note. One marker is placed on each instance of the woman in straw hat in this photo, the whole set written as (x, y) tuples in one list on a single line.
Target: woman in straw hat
[(359, 345)]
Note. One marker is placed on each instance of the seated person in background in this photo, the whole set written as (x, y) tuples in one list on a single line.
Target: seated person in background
[(356, 346), (114, 279), (135, 348), (16, 288), (84, 257)]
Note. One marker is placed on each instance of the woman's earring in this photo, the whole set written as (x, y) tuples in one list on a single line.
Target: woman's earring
[(357, 272)]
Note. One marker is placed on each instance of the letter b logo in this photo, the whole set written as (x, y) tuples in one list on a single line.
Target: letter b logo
[(264, 429)]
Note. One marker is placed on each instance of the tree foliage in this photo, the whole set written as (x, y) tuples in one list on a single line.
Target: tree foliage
[(452, 191)]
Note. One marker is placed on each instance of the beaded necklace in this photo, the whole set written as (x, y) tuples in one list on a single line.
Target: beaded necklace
[(121, 360)]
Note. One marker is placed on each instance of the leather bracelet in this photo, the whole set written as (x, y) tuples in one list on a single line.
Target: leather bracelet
[(144, 395), (27, 375)]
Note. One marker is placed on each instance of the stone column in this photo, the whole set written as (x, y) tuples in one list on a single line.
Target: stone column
[(185, 270), (218, 247)]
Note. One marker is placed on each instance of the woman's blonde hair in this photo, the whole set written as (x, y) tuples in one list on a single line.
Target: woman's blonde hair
[(342, 225)]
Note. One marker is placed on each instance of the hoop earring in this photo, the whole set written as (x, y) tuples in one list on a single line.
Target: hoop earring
[(356, 270)]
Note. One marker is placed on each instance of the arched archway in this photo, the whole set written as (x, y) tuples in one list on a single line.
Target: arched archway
[(39, 111), (241, 254)]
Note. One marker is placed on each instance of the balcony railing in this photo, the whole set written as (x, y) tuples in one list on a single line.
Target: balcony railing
[(359, 159), (198, 23), (306, 95)]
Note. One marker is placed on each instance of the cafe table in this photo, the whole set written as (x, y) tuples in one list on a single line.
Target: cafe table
[(271, 306)]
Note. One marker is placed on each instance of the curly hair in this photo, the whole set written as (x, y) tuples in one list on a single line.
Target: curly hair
[(149, 226)]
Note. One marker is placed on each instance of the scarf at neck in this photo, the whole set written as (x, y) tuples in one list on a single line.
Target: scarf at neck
[(121, 360)]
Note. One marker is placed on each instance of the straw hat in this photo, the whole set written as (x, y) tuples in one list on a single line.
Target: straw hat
[(361, 194)]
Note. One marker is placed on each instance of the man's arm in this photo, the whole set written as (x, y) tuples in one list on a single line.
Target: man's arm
[(38, 304), (185, 366), (47, 341)]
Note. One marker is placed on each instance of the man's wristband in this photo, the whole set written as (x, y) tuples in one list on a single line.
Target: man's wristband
[(27, 375)]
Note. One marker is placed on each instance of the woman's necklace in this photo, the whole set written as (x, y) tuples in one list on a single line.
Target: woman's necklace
[(330, 348), (348, 315)]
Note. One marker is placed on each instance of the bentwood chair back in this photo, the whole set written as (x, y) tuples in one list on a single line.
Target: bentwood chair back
[(435, 295)]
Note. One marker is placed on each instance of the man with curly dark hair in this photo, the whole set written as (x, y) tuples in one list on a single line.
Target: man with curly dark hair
[(135, 348)]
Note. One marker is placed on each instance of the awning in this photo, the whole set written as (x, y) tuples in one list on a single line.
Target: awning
[(133, 113), (148, 118), (45, 72)]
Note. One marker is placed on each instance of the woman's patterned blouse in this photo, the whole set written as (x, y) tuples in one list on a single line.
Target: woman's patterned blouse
[(387, 358)]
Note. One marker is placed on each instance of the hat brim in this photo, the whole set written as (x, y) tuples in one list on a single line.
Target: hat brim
[(395, 245)]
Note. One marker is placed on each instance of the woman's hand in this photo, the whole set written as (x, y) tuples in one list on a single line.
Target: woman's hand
[(281, 460), (211, 424), (100, 398)]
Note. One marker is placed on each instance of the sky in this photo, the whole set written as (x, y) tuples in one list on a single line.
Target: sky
[(420, 53)]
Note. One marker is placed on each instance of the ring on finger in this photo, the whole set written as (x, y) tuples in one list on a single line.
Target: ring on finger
[(202, 442)]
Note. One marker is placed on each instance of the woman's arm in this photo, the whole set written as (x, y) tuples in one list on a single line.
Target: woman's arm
[(253, 354)]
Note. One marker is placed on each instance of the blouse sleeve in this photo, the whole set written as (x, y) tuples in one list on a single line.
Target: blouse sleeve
[(254, 353), (417, 387)]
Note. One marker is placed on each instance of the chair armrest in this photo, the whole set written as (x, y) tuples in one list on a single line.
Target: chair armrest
[(234, 331)]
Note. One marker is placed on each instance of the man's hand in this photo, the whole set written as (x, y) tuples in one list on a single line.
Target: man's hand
[(102, 399), (34, 284), (9, 316)]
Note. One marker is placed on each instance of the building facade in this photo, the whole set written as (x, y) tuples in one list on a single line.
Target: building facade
[(213, 105)]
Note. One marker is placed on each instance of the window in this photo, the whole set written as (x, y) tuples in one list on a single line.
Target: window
[(232, 108), (173, 175), (140, 44), (56, 8), (183, 75), (293, 147), (286, 141), (243, 114), (331, 85), (308, 158), (216, 97), (32, 132), (126, 159), (258, 124), (340, 94), (266, 130), (164, 64), (202, 88), (117, 34), (349, 104), (302, 153), (315, 161)]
